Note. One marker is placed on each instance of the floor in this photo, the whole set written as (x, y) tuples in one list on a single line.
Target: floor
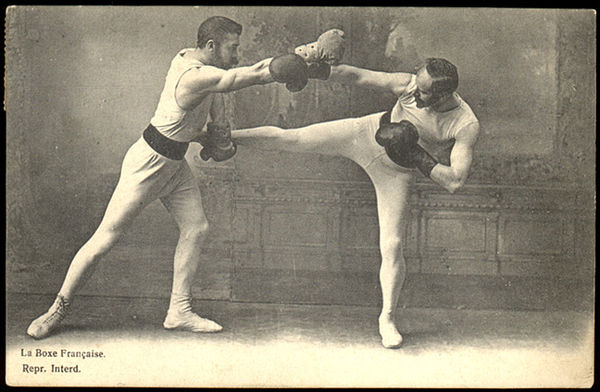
[(297, 345)]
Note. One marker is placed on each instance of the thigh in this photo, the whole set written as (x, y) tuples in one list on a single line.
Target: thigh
[(329, 138), (392, 188), (143, 173), (125, 204), (183, 200)]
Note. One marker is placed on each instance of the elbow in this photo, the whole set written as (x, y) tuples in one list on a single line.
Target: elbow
[(454, 186)]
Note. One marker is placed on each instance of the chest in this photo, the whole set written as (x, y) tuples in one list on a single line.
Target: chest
[(432, 127)]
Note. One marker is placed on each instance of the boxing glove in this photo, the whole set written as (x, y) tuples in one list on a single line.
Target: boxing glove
[(217, 143), (219, 154), (403, 132), (400, 143), (291, 70), (328, 48)]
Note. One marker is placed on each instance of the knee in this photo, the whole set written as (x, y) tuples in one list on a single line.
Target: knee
[(103, 240), (391, 249), (195, 232)]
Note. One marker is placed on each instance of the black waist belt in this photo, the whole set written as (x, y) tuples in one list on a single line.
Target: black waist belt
[(169, 148), (386, 118)]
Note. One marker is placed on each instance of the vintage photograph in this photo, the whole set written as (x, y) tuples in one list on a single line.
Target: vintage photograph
[(289, 196)]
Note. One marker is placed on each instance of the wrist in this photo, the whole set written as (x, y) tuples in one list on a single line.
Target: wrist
[(319, 71), (423, 160), (265, 76)]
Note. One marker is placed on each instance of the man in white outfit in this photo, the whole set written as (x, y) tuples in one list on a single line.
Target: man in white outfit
[(154, 166), (430, 128)]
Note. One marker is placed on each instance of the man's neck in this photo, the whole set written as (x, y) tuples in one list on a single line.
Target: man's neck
[(200, 55), (446, 105)]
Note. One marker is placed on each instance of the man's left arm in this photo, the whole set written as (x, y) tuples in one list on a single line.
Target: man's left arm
[(454, 176)]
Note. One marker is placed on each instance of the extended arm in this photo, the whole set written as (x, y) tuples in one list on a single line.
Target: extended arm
[(209, 79), (394, 83), (454, 176)]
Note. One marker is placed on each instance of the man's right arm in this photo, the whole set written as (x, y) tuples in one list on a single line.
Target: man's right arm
[(394, 83), (209, 79)]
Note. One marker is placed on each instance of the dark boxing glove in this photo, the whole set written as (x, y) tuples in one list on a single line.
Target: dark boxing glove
[(291, 70), (217, 143), (403, 132), (400, 143)]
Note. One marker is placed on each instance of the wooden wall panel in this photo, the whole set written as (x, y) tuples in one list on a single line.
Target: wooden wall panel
[(526, 236), (500, 232), (454, 232)]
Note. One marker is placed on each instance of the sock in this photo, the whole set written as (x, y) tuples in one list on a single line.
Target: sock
[(180, 303), (64, 297)]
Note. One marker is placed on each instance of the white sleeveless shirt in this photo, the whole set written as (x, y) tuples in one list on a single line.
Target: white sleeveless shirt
[(437, 130), (170, 119)]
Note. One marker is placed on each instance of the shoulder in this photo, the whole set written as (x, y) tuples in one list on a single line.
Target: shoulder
[(468, 119), (468, 132), (406, 85), (466, 111), (202, 76)]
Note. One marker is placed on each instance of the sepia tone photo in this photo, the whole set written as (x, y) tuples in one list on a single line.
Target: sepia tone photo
[(238, 196)]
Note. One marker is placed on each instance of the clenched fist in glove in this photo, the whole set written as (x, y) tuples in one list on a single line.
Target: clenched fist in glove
[(328, 48), (217, 143), (291, 70), (400, 142)]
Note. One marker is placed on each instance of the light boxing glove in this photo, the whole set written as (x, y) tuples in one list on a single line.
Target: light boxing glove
[(328, 48)]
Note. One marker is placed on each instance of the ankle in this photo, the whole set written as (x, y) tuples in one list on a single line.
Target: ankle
[(386, 316), (64, 298), (180, 303)]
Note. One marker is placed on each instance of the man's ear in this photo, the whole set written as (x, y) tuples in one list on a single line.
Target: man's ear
[(210, 44)]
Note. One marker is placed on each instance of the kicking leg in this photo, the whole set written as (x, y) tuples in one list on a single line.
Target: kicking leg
[(185, 204), (330, 138)]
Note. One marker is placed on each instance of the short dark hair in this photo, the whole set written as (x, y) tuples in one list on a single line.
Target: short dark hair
[(444, 75), (215, 28)]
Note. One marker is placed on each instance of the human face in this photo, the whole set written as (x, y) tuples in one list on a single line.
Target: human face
[(226, 51), (424, 96)]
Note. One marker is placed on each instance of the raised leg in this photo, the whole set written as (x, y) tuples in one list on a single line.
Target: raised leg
[(329, 138)]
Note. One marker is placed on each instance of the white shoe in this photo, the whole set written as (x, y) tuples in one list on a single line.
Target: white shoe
[(49, 321), (390, 337), (190, 321)]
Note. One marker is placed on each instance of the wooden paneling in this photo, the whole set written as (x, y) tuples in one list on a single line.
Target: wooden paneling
[(527, 236), (360, 229), (495, 231), (458, 233), (294, 227), (300, 241)]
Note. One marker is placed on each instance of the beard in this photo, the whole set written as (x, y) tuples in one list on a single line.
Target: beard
[(422, 104), (225, 63)]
